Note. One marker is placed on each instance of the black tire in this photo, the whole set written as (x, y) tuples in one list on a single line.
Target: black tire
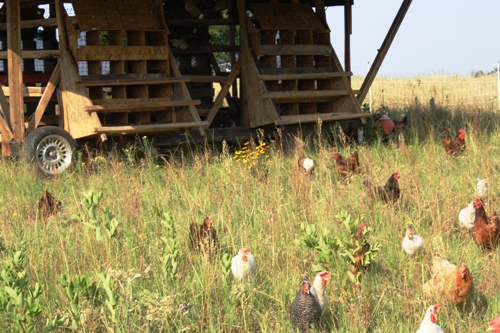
[(51, 148)]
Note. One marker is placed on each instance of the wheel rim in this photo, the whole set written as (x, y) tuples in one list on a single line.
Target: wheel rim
[(54, 154)]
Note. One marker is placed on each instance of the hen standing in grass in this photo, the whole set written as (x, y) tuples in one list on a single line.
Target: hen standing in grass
[(204, 237), (495, 325), (243, 264), (389, 193), (449, 282), (411, 243), (485, 231), (305, 309), (455, 146), (429, 323), (344, 167), (467, 216), (306, 164), (482, 188), (318, 288)]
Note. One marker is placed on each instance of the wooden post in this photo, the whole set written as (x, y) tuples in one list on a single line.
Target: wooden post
[(372, 73), (14, 62), (348, 32)]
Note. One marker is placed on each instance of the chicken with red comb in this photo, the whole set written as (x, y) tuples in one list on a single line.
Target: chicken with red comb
[(429, 323), (485, 231)]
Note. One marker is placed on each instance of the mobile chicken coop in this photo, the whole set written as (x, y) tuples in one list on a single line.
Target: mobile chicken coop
[(149, 67)]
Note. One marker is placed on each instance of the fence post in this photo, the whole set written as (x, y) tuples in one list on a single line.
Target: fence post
[(498, 84)]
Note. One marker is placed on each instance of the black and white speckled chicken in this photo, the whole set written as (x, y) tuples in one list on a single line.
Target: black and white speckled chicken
[(305, 309)]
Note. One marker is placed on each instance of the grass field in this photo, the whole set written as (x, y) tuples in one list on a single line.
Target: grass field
[(122, 262)]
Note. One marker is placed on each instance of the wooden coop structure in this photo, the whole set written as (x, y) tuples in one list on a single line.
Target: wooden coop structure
[(150, 67)]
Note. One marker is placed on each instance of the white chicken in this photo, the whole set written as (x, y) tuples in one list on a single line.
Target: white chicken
[(318, 288), (466, 216), (243, 264), (411, 243), (482, 188), (361, 131), (307, 164), (429, 323)]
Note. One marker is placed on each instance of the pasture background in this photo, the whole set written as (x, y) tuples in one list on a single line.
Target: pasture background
[(261, 207)]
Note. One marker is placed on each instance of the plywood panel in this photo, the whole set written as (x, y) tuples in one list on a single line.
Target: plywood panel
[(117, 14), (285, 16)]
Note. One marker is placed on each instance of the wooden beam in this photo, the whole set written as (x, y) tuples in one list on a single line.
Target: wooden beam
[(139, 107), (305, 76), (312, 118), (295, 50), (372, 73), (308, 94), (122, 53), (34, 54), (14, 64), (348, 32), (46, 23), (5, 130), (154, 128), (202, 22), (44, 101), (129, 82), (223, 92), (185, 92), (206, 78)]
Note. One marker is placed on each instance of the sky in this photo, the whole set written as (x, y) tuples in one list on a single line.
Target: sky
[(436, 36)]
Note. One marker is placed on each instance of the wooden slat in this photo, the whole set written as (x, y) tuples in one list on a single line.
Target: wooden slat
[(46, 23), (27, 91), (120, 100), (300, 70), (128, 82), (305, 76), (154, 128), (139, 107), (122, 53), (34, 54), (312, 118), (205, 49), (14, 64), (202, 22), (295, 50), (206, 78), (308, 94), (44, 101)]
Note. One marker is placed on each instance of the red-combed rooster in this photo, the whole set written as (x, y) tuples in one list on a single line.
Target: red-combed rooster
[(495, 325), (305, 309), (345, 167), (204, 237), (485, 231), (389, 193), (455, 146)]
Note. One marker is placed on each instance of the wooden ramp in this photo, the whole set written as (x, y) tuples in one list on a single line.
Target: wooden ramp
[(300, 72)]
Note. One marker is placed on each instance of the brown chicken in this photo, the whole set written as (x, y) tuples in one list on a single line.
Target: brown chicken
[(360, 254), (449, 282), (345, 167), (204, 237), (455, 146), (48, 205), (485, 232), (389, 193)]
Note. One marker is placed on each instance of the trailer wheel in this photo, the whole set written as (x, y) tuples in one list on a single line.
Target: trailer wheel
[(51, 148)]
